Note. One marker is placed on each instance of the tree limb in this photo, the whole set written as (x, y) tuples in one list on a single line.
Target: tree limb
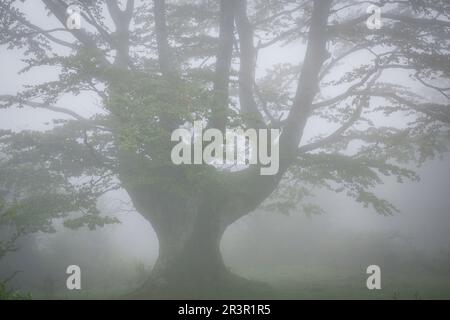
[(164, 52), (249, 108), (223, 64), (316, 54)]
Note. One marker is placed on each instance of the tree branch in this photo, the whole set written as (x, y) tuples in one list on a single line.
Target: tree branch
[(336, 135), (249, 108), (37, 30), (223, 64), (316, 54), (164, 52), (251, 188), (58, 8), (66, 111), (121, 21)]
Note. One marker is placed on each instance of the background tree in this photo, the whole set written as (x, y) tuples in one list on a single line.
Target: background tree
[(157, 66)]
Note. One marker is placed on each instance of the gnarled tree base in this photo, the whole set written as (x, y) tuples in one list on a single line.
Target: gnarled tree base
[(225, 285)]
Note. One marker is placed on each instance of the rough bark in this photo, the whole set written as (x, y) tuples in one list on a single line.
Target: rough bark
[(249, 108), (189, 229)]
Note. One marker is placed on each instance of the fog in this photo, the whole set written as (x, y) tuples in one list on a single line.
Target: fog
[(304, 256), (322, 256)]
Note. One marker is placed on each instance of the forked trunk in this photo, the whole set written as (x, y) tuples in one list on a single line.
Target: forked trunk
[(190, 266), (189, 222)]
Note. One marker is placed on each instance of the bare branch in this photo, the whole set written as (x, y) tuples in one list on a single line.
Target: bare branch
[(316, 54), (336, 135), (37, 30), (58, 8), (121, 21)]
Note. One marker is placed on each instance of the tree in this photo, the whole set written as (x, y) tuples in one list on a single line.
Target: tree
[(156, 66)]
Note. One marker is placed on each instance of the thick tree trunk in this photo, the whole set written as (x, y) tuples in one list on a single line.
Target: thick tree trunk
[(190, 216), (190, 264)]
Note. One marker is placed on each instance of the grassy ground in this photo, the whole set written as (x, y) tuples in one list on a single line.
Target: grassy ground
[(393, 287), (295, 283), (300, 282)]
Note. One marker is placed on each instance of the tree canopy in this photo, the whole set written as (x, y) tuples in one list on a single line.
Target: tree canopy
[(358, 104)]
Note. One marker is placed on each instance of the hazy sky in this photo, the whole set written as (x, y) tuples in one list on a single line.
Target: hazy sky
[(424, 205)]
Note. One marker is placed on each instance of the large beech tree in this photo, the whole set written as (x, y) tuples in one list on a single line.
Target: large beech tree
[(157, 65)]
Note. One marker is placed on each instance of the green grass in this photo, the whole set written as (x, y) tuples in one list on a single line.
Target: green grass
[(323, 283), (299, 282)]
